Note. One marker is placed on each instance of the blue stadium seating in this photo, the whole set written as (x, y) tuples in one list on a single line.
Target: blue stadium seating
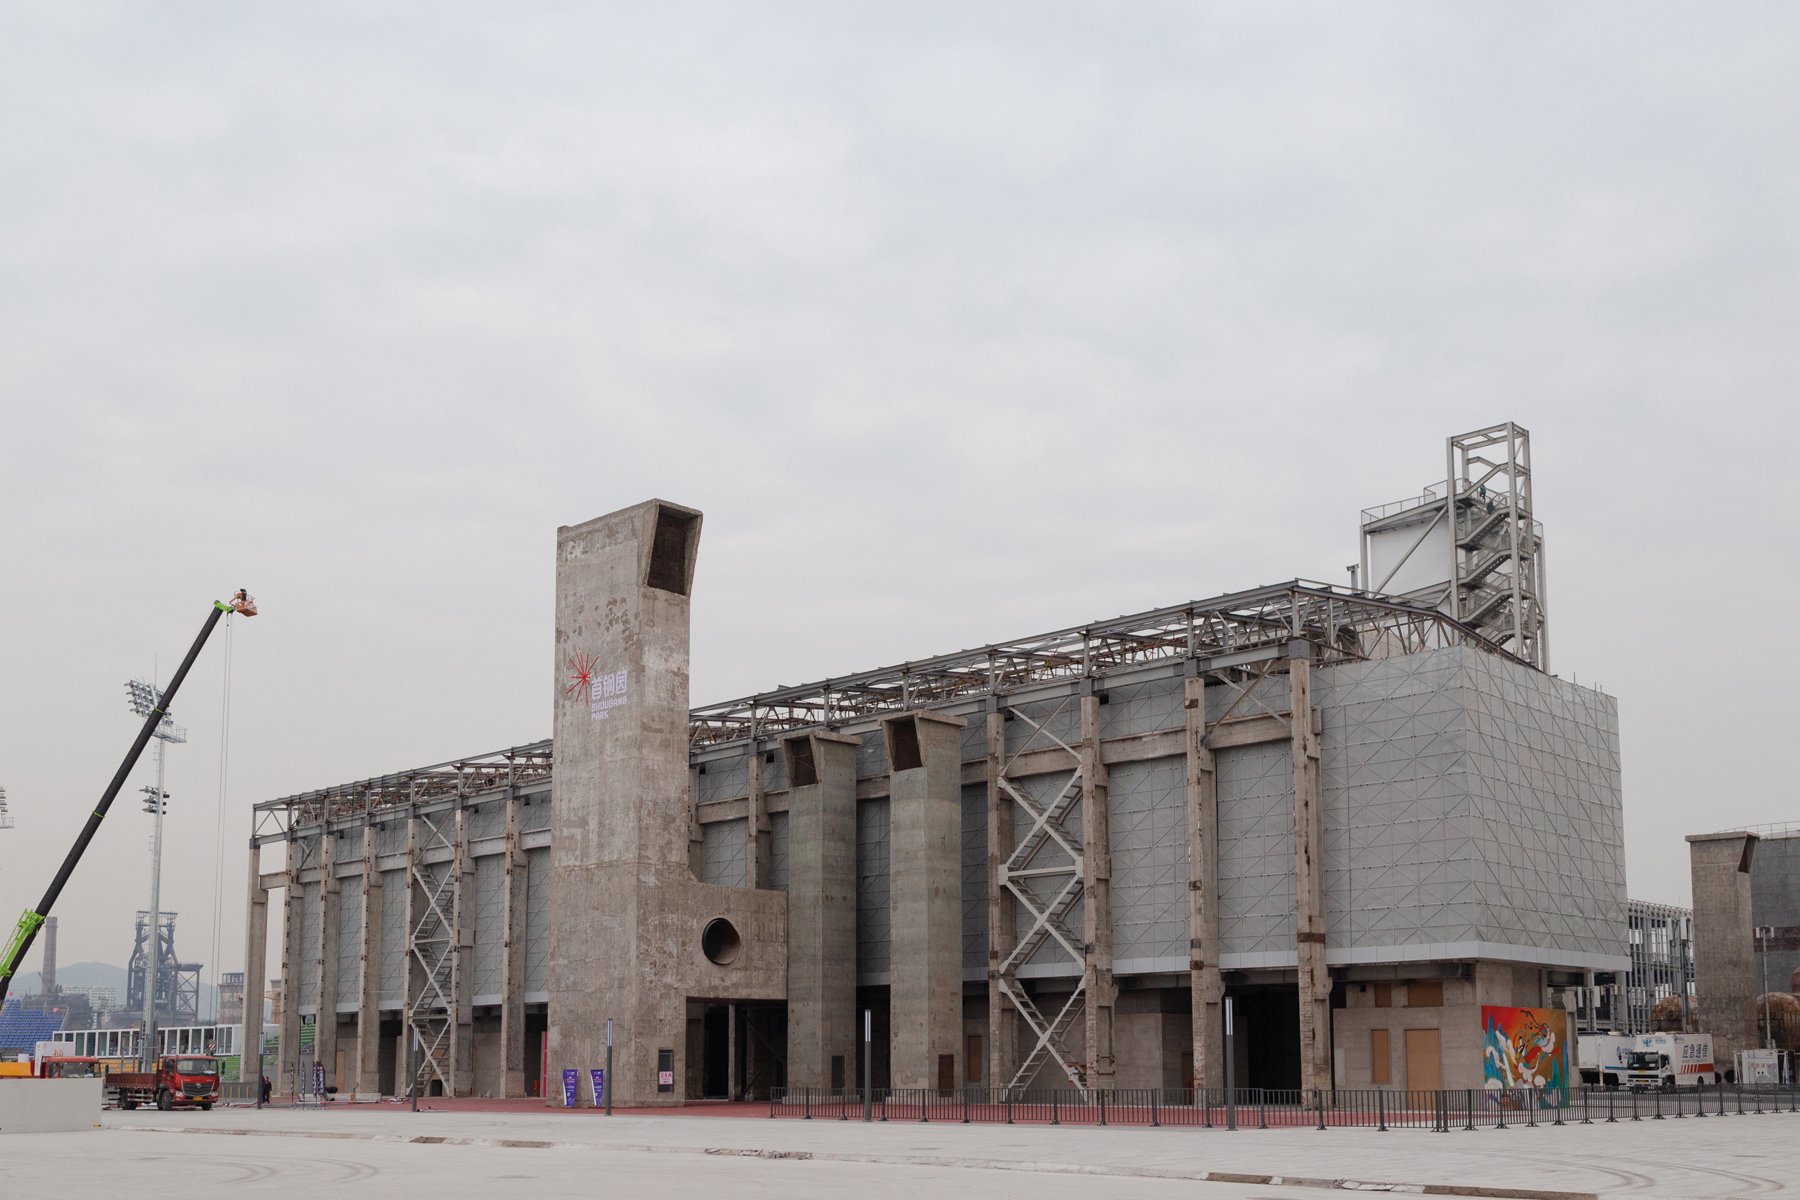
[(21, 1030)]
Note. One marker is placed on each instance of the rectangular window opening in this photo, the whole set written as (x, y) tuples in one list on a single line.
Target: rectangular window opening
[(903, 744), (672, 551), (801, 769)]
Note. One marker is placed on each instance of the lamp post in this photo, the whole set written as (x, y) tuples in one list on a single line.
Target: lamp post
[(146, 698), (1762, 968)]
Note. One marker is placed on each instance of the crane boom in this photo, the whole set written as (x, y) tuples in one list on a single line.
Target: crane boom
[(26, 931)]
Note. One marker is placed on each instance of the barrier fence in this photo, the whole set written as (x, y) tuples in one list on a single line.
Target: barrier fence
[(1263, 1108)]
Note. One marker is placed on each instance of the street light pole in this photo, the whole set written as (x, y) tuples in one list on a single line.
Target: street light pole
[(1762, 965), (146, 698)]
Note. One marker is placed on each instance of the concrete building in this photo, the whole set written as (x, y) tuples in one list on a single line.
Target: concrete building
[(1041, 862), (1747, 929)]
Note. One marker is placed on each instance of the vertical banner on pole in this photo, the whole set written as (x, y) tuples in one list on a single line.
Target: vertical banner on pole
[(597, 1077), (571, 1084)]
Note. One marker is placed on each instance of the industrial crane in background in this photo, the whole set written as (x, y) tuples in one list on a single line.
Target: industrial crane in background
[(33, 919)]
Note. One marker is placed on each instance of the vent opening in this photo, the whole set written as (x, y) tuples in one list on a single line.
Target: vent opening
[(720, 942), (802, 770), (903, 744), (672, 551)]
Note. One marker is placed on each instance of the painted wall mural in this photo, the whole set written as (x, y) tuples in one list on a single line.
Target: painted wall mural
[(1525, 1048)]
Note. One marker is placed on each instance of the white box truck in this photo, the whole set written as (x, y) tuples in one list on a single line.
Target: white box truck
[(1671, 1060), (1600, 1057)]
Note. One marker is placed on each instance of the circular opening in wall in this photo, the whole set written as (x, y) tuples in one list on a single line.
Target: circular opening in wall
[(719, 941)]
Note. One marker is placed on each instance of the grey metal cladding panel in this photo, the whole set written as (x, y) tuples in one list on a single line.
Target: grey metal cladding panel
[(1148, 828), (724, 780), (349, 944), (1775, 884), (974, 878), (488, 820), (1060, 719), (871, 756), (309, 943), (774, 771), (390, 837), (974, 739), (874, 923), (534, 813), (1265, 696), (778, 851), (1256, 849), (1142, 708), (1544, 778), (489, 951), (722, 845), (1399, 845), (537, 919), (393, 938)]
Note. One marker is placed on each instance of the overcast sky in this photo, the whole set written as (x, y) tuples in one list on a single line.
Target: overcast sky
[(959, 321)]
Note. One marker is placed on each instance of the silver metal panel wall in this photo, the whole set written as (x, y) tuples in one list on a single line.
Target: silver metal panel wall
[(487, 820), (1543, 777), (974, 881), (871, 756), (874, 922), (349, 939), (1256, 849), (1147, 824), (722, 845), (1399, 856), (490, 926), (390, 838), (723, 780), (307, 967), (1142, 708), (778, 851), (534, 812), (393, 939), (537, 919)]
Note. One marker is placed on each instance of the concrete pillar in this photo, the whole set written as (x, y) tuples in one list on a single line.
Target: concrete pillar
[(462, 1009), (325, 1039), (1725, 982), (821, 966), (1204, 977), (288, 1031), (512, 959), (1096, 883), (256, 963), (924, 752), (368, 984), (756, 824), (1309, 879), (1003, 1019), (620, 809)]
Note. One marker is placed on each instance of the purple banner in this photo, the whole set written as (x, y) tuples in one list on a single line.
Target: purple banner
[(597, 1075), (571, 1084)]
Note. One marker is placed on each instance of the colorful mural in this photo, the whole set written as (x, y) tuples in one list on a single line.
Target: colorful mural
[(1525, 1048)]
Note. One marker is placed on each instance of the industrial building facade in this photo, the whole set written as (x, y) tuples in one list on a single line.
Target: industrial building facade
[(1041, 862)]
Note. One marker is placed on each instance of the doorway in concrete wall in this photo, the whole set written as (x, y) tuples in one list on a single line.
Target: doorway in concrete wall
[(1267, 1021), (387, 1055), (537, 1032), (737, 1051)]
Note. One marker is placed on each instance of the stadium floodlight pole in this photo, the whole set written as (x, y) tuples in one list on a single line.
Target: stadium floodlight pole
[(145, 699), (33, 919)]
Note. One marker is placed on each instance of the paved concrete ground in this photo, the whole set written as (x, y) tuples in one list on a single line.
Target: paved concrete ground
[(368, 1150)]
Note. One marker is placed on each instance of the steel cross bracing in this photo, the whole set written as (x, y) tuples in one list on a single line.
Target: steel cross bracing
[(1047, 886), (436, 863)]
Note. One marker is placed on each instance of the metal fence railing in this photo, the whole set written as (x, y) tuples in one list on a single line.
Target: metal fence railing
[(1264, 1108)]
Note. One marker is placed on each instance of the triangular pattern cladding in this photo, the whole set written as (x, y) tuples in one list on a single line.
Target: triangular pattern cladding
[(974, 880), (1256, 849), (723, 849), (349, 943), (309, 944), (537, 920), (1147, 826), (488, 955), (393, 937), (874, 921)]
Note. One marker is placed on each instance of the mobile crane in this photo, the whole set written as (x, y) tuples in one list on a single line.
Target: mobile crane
[(33, 920)]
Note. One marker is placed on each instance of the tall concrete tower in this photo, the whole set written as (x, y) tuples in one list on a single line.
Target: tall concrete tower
[(633, 935)]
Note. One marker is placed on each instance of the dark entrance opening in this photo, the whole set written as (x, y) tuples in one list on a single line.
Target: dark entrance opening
[(387, 1056), (1268, 1036), (537, 1030), (715, 1060)]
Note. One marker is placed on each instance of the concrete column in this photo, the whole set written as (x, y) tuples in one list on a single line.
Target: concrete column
[(924, 752), (256, 963), (620, 811), (821, 966), (512, 959), (734, 1082), (1003, 1018), (756, 824), (325, 1038), (368, 984), (1725, 982), (1096, 883), (1309, 879), (288, 1031), (1204, 977)]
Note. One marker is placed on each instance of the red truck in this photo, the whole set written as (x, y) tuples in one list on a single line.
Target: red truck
[(179, 1081)]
